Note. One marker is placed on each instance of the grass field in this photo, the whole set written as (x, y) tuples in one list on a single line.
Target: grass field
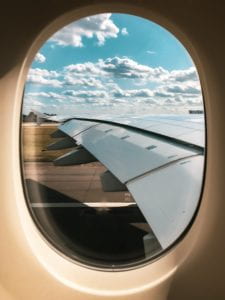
[(35, 138)]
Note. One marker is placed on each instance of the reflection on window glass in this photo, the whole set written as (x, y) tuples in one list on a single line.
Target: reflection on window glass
[(112, 140)]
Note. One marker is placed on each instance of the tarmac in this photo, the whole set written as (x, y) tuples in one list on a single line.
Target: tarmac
[(81, 183)]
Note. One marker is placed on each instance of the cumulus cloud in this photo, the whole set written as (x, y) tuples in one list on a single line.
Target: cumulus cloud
[(127, 68), (184, 89), (119, 68), (85, 68), (112, 83), (40, 58), (86, 94), (194, 102), (44, 77), (99, 26), (52, 95), (129, 97), (143, 93), (162, 93), (184, 75), (169, 101), (43, 72), (85, 82), (43, 81)]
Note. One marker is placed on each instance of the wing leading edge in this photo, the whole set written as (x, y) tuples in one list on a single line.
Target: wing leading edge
[(163, 174)]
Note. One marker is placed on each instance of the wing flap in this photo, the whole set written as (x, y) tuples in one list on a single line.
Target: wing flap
[(67, 142), (75, 127), (168, 197), (75, 157)]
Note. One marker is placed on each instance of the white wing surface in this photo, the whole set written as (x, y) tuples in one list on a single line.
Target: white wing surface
[(161, 165)]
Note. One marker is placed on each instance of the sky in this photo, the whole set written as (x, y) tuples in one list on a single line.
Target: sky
[(112, 64)]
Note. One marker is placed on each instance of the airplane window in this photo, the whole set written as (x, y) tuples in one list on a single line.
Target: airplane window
[(112, 141)]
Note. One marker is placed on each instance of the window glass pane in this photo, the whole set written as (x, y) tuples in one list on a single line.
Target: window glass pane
[(112, 140)]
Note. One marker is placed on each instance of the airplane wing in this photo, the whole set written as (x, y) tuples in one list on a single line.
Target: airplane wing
[(161, 165)]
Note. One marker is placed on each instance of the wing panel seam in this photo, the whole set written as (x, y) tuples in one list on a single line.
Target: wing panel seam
[(159, 168)]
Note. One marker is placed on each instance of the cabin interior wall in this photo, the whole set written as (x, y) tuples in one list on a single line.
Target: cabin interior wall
[(199, 258)]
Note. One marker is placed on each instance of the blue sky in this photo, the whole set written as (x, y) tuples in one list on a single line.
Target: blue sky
[(112, 63)]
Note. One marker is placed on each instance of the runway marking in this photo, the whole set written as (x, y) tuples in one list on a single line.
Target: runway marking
[(90, 204)]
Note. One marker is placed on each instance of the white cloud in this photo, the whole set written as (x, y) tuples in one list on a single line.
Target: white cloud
[(52, 95), (124, 31), (111, 98), (99, 26), (85, 69), (33, 103), (43, 72), (169, 101), (43, 81), (119, 68), (127, 68), (184, 75), (143, 93), (86, 94), (183, 89), (101, 84), (43, 77), (40, 58), (182, 94), (150, 52), (162, 93), (84, 82)]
